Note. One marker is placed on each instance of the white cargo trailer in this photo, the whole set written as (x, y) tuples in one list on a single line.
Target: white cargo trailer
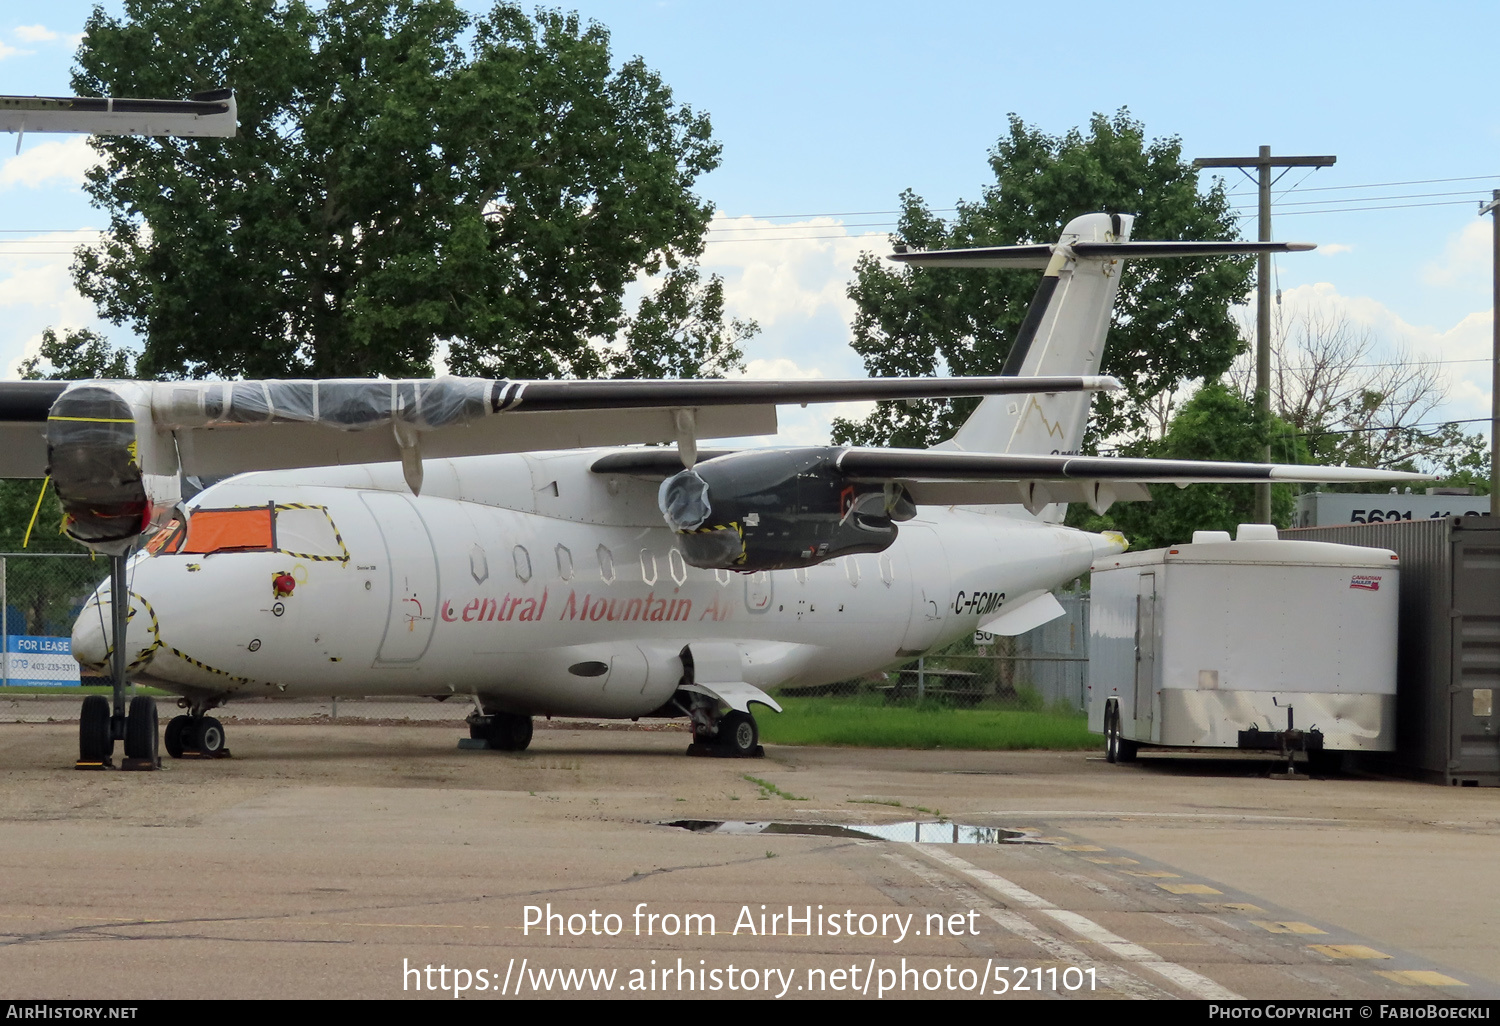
[(1228, 644)]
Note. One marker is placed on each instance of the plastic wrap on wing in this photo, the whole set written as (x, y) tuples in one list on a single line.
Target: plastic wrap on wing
[(349, 405)]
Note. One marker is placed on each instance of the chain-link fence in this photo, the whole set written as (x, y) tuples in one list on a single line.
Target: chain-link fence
[(1043, 668), (43, 593)]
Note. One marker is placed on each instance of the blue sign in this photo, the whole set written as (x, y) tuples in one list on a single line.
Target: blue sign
[(32, 661)]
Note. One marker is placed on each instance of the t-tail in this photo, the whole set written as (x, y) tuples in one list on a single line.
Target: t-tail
[(1064, 329)]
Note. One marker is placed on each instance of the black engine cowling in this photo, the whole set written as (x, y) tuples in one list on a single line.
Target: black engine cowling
[(772, 510)]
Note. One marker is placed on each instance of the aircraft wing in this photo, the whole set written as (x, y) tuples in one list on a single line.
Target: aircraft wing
[(1039, 255), (210, 113), (949, 477), (226, 427)]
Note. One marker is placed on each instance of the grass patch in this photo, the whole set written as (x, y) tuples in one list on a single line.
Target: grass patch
[(768, 789), (69, 691), (871, 723)]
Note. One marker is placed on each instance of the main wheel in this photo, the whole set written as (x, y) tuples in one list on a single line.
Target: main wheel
[(520, 733), (738, 735), (94, 741), (174, 735), (141, 729), (508, 732), (208, 737)]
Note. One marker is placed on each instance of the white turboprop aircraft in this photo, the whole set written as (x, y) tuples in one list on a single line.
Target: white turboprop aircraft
[(405, 538)]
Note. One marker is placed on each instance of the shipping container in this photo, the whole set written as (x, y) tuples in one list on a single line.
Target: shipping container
[(1223, 644), (1448, 650)]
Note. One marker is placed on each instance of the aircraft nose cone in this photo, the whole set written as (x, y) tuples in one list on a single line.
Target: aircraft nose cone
[(92, 634), (89, 647)]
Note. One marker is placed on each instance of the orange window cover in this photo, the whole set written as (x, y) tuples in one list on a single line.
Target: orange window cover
[(218, 530), (168, 539)]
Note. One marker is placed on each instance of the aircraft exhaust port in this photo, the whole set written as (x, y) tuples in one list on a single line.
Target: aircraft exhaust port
[(909, 832)]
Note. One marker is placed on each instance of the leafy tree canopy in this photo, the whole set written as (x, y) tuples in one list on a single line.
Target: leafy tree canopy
[(405, 175), (1215, 424), (1171, 320)]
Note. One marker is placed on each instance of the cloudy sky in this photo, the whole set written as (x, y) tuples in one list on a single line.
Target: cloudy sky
[(827, 110)]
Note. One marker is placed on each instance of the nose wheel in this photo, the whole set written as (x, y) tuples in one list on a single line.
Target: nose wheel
[(195, 737)]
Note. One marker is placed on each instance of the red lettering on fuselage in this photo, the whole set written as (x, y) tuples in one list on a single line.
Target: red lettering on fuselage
[(585, 607)]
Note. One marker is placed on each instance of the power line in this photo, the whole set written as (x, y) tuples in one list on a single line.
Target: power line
[(1381, 185), (1371, 199)]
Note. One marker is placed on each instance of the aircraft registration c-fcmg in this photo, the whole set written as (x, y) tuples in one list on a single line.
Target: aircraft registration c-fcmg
[(512, 544)]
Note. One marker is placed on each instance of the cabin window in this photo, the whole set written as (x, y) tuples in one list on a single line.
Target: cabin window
[(648, 566), (606, 564), (564, 562), (229, 530), (523, 564), (677, 566)]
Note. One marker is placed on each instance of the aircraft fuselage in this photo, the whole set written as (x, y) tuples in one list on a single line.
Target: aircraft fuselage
[(543, 588)]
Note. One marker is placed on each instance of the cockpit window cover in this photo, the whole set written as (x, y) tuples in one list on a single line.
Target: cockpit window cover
[(308, 532), (229, 530), (297, 529), (168, 539)]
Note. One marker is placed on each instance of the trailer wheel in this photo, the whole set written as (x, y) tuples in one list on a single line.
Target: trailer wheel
[(1111, 732)]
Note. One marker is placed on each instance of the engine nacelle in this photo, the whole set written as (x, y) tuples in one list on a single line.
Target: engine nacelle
[(115, 475), (773, 510)]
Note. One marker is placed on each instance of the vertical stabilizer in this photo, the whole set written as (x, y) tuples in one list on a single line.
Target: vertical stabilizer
[(1064, 329), (1063, 333)]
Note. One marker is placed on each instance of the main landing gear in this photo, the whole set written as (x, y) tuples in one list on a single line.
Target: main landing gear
[(502, 732), (731, 735), (99, 726)]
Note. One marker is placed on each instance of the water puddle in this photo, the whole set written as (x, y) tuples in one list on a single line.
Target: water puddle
[(911, 831)]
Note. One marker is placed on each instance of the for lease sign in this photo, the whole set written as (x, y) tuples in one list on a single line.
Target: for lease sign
[(33, 661)]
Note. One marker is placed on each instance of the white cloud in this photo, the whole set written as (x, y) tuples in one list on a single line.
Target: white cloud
[(1466, 258), (35, 34), (64, 161), (1464, 347), (36, 292), (778, 270), (1331, 248), (11, 51)]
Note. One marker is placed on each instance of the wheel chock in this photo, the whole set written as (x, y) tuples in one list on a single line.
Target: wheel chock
[(104, 765), (703, 751), (141, 765), (190, 753), (473, 744)]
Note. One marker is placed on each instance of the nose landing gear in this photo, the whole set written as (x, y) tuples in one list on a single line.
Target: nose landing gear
[(195, 736)]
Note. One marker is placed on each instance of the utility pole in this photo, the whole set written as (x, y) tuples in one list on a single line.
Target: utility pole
[(1263, 164), (1493, 207)]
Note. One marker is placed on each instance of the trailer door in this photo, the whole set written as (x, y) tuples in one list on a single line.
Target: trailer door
[(1145, 655)]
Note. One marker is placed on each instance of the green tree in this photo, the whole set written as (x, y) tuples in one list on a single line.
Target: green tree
[(1357, 403), (1214, 424), (1171, 320), (78, 355), (405, 175)]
